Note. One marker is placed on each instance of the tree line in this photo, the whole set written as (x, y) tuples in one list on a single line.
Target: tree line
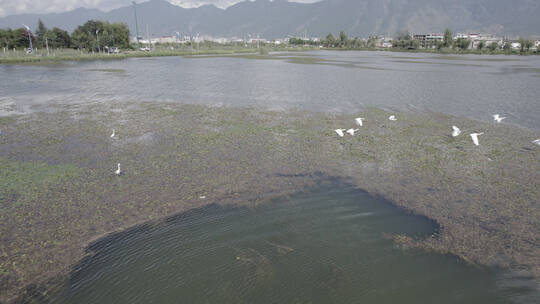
[(342, 41), (404, 40), (91, 36)]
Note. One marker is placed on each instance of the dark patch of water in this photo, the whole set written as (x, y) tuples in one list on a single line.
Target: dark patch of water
[(326, 246)]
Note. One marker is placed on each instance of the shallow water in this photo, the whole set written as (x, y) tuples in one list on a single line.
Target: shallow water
[(327, 246), (473, 86)]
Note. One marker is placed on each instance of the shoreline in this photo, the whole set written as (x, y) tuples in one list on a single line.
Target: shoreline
[(35, 59), (440, 52), (174, 154)]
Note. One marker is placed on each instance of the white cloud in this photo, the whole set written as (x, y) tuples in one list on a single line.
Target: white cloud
[(12, 7)]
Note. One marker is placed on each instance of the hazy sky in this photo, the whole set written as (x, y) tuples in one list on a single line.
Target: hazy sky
[(11, 7)]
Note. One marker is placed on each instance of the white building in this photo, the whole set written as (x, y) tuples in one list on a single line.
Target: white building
[(476, 39), (165, 39), (428, 40)]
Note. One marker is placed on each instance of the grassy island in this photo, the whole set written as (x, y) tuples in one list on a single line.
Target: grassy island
[(59, 191), (74, 55)]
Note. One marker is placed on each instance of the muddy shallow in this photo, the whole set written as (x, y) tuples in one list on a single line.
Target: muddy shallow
[(59, 190)]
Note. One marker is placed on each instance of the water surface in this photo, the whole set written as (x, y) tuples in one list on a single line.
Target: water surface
[(327, 246), (473, 86)]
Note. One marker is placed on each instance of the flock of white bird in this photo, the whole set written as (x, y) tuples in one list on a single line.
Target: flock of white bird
[(455, 130), (359, 121), (118, 170)]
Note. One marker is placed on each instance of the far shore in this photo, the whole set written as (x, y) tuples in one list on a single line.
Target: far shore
[(60, 190), (73, 55)]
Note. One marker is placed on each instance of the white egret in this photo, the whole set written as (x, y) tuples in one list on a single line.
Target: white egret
[(340, 132), (202, 197), (456, 131), (536, 142), (118, 171), (498, 118), (392, 118), (113, 133), (359, 121), (474, 137), (351, 131)]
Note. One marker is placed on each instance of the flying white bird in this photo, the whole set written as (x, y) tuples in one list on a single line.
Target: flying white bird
[(118, 171), (474, 137), (498, 118), (351, 131), (113, 133), (359, 121), (340, 132), (392, 118), (456, 131), (536, 142)]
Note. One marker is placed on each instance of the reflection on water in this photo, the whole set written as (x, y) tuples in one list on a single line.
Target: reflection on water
[(327, 246), (473, 86)]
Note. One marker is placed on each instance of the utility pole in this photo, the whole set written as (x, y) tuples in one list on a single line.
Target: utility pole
[(47, 44), (136, 24), (148, 37), (97, 38)]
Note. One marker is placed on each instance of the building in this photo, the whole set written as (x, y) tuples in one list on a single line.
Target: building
[(165, 39), (476, 39), (428, 40), (384, 43)]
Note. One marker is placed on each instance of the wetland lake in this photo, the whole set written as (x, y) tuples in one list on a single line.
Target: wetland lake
[(236, 189), (470, 86)]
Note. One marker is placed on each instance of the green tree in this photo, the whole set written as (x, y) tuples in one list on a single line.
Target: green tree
[(493, 46), (357, 43), (109, 34), (20, 38), (85, 37), (4, 39), (115, 34), (481, 45), (296, 41), (372, 40), (330, 40), (463, 43), (448, 39), (58, 38), (522, 44), (529, 44), (343, 39), (17, 38), (40, 33)]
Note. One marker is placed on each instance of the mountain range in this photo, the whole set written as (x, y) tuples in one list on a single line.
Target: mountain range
[(280, 18)]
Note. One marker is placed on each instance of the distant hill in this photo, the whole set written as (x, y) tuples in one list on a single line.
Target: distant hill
[(280, 18)]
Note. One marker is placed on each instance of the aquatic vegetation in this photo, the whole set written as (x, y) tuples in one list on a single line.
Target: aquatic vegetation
[(108, 70), (59, 190), (82, 56)]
